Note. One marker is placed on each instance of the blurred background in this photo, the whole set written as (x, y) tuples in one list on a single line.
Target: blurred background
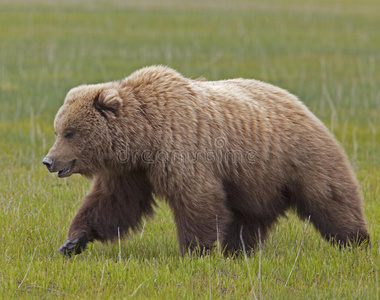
[(325, 52)]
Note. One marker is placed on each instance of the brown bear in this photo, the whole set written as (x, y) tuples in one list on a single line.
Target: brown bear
[(229, 157)]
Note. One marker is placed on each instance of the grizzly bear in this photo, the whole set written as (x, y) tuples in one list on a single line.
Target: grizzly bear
[(229, 157)]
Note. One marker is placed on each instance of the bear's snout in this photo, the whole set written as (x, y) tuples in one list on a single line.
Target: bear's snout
[(63, 168), (48, 162)]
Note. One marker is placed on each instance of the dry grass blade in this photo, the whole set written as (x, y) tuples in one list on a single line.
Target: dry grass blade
[(27, 271), (299, 250), (246, 261)]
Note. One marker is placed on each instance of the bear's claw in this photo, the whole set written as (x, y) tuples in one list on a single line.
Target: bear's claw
[(74, 246)]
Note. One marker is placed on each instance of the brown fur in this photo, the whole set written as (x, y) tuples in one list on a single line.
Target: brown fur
[(226, 155)]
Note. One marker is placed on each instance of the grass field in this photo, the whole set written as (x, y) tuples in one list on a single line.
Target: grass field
[(326, 52)]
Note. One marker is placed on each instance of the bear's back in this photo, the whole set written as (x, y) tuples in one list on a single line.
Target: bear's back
[(250, 114)]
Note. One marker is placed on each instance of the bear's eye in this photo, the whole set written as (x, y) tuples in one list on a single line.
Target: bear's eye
[(69, 133)]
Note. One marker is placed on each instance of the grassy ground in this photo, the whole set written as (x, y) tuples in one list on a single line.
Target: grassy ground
[(326, 52)]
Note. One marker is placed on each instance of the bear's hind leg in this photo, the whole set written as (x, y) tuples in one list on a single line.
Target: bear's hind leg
[(252, 218), (334, 208), (243, 234)]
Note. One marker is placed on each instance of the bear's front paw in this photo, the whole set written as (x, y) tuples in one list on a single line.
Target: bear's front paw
[(74, 245)]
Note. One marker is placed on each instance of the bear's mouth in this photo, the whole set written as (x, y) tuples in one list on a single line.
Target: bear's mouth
[(66, 171)]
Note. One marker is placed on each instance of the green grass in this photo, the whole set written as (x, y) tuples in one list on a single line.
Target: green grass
[(326, 52)]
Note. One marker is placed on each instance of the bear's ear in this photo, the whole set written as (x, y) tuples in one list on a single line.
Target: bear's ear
[(108, 101)]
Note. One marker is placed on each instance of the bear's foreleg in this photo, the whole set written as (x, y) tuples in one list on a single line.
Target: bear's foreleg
[(199, 230), (114, 205), (201, 216)]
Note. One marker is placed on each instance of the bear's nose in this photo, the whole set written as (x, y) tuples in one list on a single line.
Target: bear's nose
[(48, 162)]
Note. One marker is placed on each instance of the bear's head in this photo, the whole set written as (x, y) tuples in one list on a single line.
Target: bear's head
[(84, 127)]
